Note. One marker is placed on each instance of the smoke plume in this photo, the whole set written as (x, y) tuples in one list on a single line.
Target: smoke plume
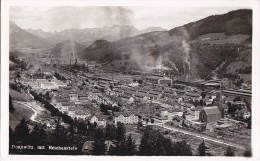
[(166, 58)]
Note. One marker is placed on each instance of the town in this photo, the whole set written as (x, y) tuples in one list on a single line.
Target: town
[(130, 80), (79, 95)]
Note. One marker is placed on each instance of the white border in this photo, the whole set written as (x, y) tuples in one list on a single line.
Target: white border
[(254, 4)]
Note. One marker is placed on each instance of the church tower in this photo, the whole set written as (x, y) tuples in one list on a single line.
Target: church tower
[(220, 103)]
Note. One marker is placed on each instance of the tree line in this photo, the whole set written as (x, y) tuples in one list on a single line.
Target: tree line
[(54, 111), (111, 140)]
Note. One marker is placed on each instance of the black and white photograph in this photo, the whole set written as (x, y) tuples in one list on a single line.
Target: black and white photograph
[(130, 80)]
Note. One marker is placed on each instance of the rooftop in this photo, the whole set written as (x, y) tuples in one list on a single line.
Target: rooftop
[(211, 110), (125, 114), (67, 104)]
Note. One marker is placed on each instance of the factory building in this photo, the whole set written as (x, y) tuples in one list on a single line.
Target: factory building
[(158, 80)]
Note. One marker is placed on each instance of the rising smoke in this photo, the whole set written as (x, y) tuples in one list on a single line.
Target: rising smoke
[(186, 54), (166, 59), (123, 16), (76, 18), (117, 16)]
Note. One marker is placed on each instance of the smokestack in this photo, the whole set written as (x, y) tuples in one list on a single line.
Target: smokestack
[(183, 66)]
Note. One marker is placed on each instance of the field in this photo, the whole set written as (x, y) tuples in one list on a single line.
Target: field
[(21, 111), (17, 96), (221, 38)]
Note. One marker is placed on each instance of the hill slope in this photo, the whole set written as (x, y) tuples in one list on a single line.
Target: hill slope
[(234, 22), (177, 48), (20, 38), (66, 49)]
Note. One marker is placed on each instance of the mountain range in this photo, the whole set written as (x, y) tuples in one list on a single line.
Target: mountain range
[(20, 38), (87, 36), (199, 47)]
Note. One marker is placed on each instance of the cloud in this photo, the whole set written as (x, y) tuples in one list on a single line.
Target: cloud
[(60, 18)]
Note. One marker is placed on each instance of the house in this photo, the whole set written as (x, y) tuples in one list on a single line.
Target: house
[(210, 114), (127, 99), (129, 92), (159, 119), (171, 112), (169, 93), (73, 95), (72, 114), (58, 99), (94, 94), (74, 109), (48, 85), (141, 97), (154, 95), (165, 81), (100, 120), (170, 102), (83, 97), (193, 96), (58, 82), (196, 111), (125, 117), (174, 112), (87, 147), (39, 81), (239, 104), (110, 92), (118, 92), (65, 106), (82, 114)]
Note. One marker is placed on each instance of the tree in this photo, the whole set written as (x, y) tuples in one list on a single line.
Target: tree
[(38, 135), (82, 127), (144, 147), (247, 153), (11, 135), (11, 105), (21, 132), (203, 94), (59, 135), (181, 148), (154, 143), (110, 131), (99, 147), (130, 146), (203, 149), (232, 109), (139, 124), (237, 99), (229, 152), (47, 96), (120, 140), (249, 122), (120, 132)]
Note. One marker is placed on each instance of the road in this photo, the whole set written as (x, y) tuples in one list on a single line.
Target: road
[(209, 138), (35, 112)]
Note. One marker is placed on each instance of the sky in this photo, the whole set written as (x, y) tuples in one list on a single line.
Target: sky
[(77, 17)]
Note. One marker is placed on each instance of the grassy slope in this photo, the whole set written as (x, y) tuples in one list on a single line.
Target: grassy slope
[(17, 96), (20, 112)]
